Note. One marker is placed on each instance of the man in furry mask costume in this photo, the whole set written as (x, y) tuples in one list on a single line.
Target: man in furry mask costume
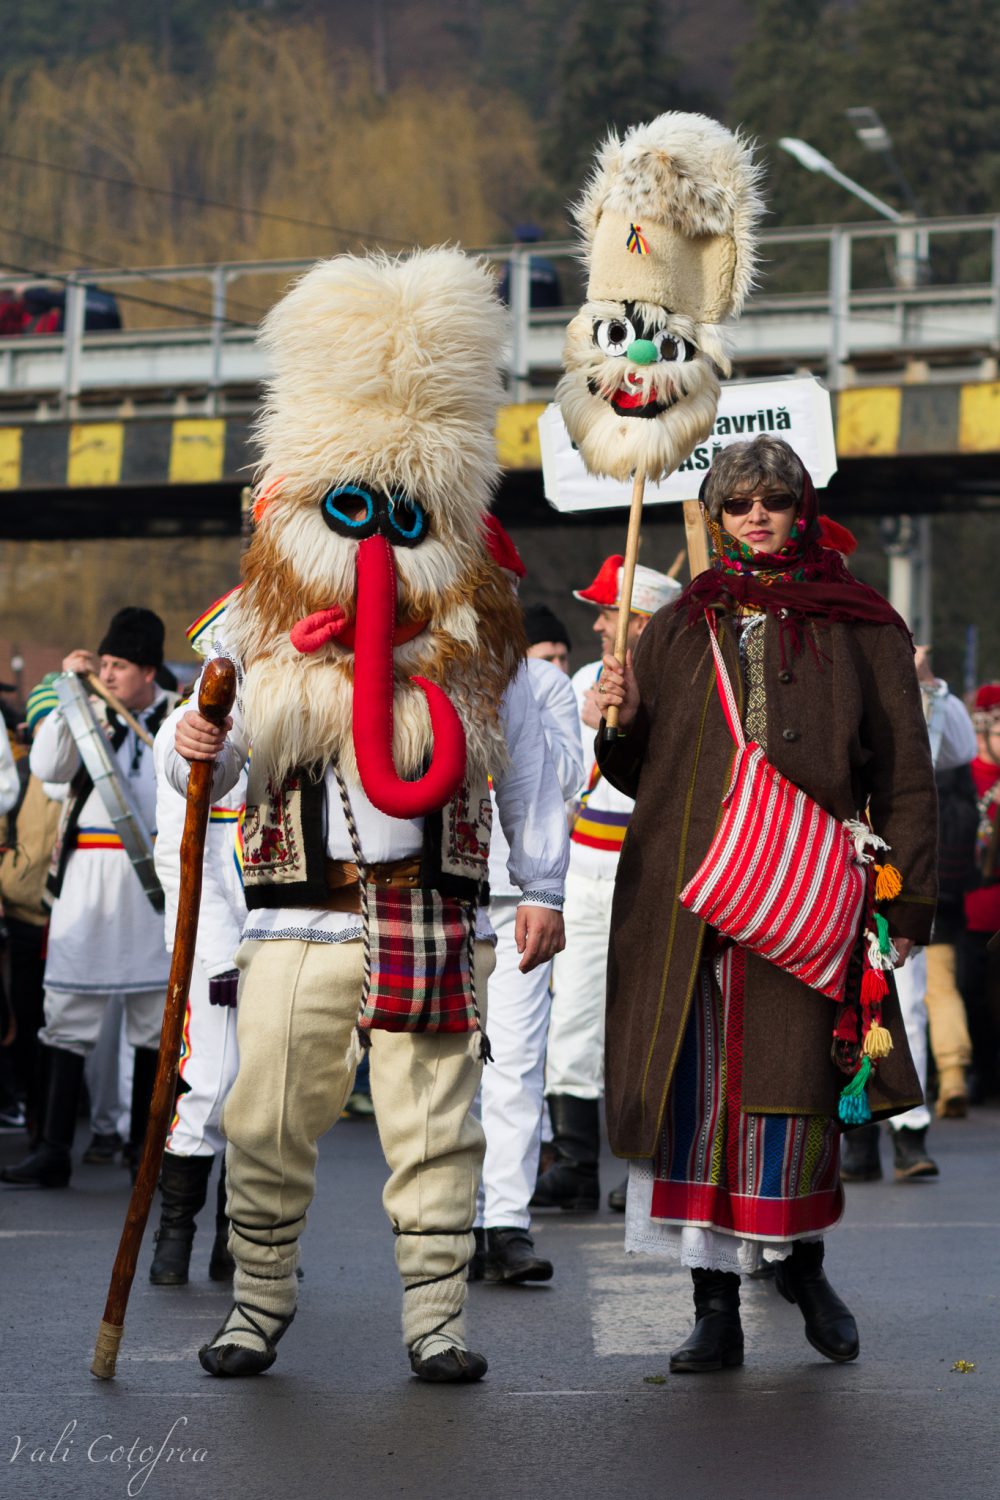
[(378, 647)]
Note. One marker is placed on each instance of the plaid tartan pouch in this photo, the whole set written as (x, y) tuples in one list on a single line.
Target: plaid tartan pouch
[(418, 970), (419, 959)]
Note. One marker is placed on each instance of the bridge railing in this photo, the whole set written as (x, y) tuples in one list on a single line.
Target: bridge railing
[(849, 301)]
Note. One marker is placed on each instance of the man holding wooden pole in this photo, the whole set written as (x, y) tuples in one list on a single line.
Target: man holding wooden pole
[(106, 934)]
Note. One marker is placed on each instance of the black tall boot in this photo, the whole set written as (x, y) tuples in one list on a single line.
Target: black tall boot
[(571, 1181), (716, 1341), (183, 1190), (51, 1163), (830, 1326), (222, 1265), (859, 1154), (143, 1078)]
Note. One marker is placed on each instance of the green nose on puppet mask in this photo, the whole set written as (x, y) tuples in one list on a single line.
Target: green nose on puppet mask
[(642, 352)]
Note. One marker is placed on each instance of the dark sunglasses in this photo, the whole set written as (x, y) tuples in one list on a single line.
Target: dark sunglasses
[(741, 506)]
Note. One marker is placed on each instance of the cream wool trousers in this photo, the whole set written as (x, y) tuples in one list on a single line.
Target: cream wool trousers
[(298, 1003)]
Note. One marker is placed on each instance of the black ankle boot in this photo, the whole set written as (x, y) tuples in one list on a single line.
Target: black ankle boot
[(143, 1078), (51, 1163), (859, 1154), (716, 1341), (183, 1189), (571, 1181), (830, 1325), (222, 1265)]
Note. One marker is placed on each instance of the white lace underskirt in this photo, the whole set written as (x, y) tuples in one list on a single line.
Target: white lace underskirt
[(710, 1249)]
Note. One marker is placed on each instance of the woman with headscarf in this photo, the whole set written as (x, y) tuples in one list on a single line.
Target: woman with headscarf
[(725, 1071)]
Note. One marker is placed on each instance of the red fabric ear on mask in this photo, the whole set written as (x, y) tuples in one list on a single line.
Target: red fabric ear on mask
[(373, 700)]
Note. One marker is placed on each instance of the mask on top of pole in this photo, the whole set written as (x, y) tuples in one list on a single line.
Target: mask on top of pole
[(668, 222)]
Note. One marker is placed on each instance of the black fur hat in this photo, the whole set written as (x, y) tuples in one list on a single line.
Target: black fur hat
[(136, 635)]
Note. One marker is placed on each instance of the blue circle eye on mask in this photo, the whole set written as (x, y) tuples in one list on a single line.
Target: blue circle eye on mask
[(407, 521), (338, 506), (353, 511)]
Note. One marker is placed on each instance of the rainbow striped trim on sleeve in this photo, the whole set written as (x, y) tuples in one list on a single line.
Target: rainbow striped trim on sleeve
[(97, 838), (212, 615), (600, 830)]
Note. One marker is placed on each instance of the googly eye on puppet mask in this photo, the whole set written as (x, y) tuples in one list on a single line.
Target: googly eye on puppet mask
[(629, 337), (358, 512)]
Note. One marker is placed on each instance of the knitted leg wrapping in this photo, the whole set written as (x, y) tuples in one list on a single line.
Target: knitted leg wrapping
[(433, 1315), (270, 1299)]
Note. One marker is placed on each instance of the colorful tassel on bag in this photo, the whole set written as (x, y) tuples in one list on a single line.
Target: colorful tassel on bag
[(888, 882), (853, 1107), (878, 1042), (874, 987)]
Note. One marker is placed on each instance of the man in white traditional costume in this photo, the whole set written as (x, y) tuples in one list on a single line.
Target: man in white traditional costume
[(513, 1086), (209, 1054), (105, 937), (574, 1070)]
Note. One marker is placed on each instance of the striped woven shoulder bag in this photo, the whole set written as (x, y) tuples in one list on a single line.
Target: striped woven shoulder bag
[(782, 877)]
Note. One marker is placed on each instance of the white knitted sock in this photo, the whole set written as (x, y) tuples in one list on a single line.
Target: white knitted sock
[(269, 1300), (434, 1318)]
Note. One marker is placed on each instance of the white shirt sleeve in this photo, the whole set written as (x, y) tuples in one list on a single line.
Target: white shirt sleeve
[(530, 802), (227, 767), (557, 704), (951, 729), (54, 756), (10, 786)]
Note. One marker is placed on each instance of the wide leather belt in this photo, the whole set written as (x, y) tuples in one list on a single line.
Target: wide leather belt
[(344, 881)]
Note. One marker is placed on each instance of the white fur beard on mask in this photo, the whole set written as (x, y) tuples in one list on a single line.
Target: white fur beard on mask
[(299, 712), (621, 446)]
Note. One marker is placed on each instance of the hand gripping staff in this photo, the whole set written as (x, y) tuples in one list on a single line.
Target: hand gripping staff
[(215, 699)]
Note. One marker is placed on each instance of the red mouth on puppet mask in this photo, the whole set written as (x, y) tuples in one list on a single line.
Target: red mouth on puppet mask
[(373, 634)]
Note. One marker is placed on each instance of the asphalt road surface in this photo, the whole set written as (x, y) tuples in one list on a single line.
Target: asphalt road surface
[(577, 1402)]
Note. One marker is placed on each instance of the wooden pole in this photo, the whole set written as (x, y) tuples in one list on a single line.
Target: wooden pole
[(677, 563), (97, 686), (625, 602), (697, 539), (215, 699)]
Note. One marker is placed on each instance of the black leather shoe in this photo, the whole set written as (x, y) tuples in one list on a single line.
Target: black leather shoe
[(449, 1367), (183, 1189), (234, 1359), (618, 1197), (830, 1325), (103, 1150), (511, 1258), (571, 1182), (909, 1155), (46, 1167), (716, 1341), (859, 1155)]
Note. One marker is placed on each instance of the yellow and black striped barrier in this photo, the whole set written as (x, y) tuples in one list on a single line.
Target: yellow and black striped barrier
[(871, 422)]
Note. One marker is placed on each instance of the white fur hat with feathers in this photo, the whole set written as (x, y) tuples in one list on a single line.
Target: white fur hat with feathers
[(679, 176)]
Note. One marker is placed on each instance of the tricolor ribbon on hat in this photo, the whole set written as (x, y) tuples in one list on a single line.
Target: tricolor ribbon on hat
[(637, 243)]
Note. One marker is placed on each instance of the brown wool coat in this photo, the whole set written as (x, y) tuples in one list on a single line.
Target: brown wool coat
[(847, 727)]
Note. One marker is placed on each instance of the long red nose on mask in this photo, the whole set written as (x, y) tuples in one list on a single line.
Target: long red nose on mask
[(373, 695)]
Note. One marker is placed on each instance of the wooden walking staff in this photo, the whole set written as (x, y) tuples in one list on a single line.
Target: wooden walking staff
[(625, 593), (215, 699)]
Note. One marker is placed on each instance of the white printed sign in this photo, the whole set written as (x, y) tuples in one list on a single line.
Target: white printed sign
[(796, 408)]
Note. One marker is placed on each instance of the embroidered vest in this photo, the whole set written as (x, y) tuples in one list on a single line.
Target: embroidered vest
[(284, 842)]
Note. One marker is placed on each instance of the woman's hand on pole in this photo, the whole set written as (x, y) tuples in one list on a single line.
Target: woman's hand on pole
[(619, 687)]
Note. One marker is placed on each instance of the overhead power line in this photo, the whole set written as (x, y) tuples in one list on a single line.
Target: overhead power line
[(235, 208), (90, 261), (196, 312)]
